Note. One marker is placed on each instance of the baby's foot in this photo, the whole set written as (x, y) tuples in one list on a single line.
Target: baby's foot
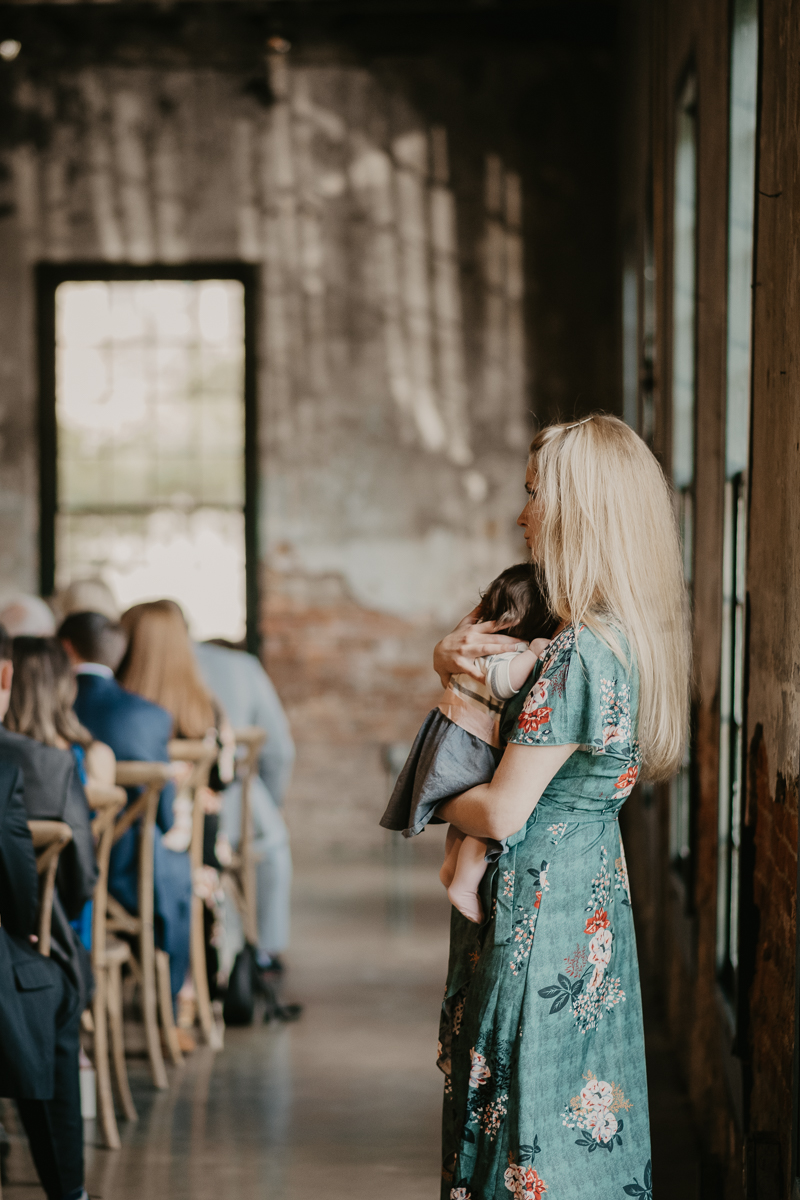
[(467, 904)]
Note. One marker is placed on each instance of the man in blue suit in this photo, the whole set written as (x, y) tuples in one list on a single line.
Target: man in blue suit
[(136, 730)]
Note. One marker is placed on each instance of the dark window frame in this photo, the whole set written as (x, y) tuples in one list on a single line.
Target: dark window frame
[(682, 869), (48, 277)]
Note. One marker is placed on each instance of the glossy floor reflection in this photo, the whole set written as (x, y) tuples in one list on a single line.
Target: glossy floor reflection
[(344, 1105)]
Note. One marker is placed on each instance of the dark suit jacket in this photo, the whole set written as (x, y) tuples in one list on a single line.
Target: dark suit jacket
[(139, 731), (136, 729), (53, 792), (32, 988)]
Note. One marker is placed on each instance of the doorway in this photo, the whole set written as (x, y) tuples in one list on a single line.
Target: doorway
[(147, 428)]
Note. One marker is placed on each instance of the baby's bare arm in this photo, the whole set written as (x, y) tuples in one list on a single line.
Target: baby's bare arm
[(520, 667)]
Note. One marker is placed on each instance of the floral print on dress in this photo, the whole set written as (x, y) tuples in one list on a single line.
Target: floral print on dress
[(524, 929), (621, 882), (525, 924), (595, 1112), (626, 782), (643, 1190), (557, 831), (575, 964), (615, 713), (479, 1072), (488, 1108), (594, 992), (524, 1183)]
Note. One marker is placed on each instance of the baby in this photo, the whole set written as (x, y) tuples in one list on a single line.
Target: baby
[(458, 745)]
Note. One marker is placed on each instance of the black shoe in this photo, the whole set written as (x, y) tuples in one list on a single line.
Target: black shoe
[(283, 1012), (5, 1150), (275, 966)]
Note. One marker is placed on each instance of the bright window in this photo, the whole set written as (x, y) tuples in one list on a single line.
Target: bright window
[(684, 319), (741, 200), (150, 436)]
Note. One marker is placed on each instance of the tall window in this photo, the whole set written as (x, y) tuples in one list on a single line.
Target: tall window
[(649, 321), (630, 332), (741, 200), (684, 315), (147, 453)]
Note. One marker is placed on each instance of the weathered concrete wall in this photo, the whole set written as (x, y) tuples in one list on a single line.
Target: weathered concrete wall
[(436, 244)]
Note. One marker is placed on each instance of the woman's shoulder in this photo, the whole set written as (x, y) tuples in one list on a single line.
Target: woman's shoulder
[(595, 651)]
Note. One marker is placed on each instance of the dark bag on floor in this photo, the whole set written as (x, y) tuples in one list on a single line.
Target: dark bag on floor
[(243, 986)]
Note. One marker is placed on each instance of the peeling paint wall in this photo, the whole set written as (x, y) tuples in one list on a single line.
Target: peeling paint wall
[(423, 293)]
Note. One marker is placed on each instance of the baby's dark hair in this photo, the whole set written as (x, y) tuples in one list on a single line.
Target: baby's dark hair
[(515, 597)]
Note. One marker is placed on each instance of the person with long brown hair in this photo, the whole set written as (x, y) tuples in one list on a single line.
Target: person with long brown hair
[(541, 1039), (43, 693), (160, 665)]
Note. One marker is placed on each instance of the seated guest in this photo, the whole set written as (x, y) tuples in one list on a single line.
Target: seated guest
[(87, 595), (42, 697), (249, 698), (160, 665), (136, 730), (53, 792), (28, 615), (40, 1012)]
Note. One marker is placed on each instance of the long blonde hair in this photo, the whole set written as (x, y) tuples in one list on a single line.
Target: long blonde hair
[(160, 665), (609, 556)]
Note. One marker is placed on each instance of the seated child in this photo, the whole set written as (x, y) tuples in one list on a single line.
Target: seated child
[(458, 745)]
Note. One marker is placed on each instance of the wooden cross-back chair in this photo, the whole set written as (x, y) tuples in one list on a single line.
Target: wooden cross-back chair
[(49, 839), (108, 956), (241, 872), (151, 777), (201, 755)]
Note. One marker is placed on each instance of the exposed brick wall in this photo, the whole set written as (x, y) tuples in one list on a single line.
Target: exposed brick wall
[(740, 1086), (773, 704)]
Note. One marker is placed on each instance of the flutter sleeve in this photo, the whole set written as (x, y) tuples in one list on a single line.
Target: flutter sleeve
[(582, 697)]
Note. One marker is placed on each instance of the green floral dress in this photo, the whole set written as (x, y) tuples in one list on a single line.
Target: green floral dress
[(542, 1044)]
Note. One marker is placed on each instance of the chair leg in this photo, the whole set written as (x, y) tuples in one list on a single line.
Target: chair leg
[(200, 977), (149, 1005), (165, 1007), (118, 1042), (108, 1120)]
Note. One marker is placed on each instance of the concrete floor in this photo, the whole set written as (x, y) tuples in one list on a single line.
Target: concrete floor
[(346, 1103)]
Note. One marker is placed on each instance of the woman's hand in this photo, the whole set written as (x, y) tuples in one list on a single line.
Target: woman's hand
[(456, 653)]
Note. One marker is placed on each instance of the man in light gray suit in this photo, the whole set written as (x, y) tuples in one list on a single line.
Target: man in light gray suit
[(248, 697)]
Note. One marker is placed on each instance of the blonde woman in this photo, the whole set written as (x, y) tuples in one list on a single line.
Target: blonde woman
[(542, 1043)]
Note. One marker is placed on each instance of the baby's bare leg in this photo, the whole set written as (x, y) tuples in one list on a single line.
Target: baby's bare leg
[(454, 839), (470, 870)]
